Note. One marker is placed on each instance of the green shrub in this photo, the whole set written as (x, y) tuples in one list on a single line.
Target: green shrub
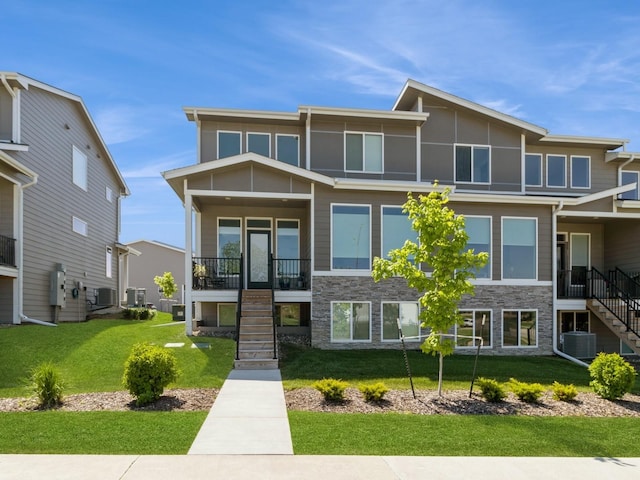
[(47, 385), (331, 389), (491, 390), (611, 376), (564, 393), (147, 371), (373, 392), (138, 313), (526, 392)]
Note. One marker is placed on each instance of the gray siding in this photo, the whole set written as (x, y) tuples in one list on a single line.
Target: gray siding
[(6, 208), (7, 284), (622, 248), (50, 205), (6, 115), (597, 244)]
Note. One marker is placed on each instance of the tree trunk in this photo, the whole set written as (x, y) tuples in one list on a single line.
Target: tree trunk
[(440, 365)]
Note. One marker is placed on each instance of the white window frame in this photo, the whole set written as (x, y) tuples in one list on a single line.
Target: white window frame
[(79, 226), (258, 134), (564, 157), (572, 235), (520, 311), (588, 186), (218, 141), (351, 339), (109, 262), (80, 167), (490, 261), (472, 146), (218, 313), (108, 193), (396, 340), (518, 280), (364, 151), (539, 157), (356, 270), (637, 190), (489, 326), (297, 137)]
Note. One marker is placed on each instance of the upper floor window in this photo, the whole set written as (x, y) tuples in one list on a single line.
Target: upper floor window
[(479, 231), (108, 194), (229, 237), (396, 229), (229, 144), (350, 237), (259, 143), (556, 171), (519, 248), (580, 172), (79, 168), (473, 163), (108, 262), (80, 226), (363, 152), (627, 178), (533, 170), (288, 149)]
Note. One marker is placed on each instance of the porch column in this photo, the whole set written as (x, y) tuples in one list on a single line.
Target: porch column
[(188, 255)]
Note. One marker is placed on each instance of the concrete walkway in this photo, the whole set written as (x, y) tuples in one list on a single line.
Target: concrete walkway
[(266, 467), (249, 417)]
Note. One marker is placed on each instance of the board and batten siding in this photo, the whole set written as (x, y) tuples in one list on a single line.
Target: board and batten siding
[(50, 205)]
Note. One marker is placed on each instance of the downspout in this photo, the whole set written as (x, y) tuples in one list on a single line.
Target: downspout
[(554, 273), (307, 143), (21, 315)]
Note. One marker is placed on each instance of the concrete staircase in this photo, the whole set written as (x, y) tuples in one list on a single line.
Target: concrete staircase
[(615, 324), (255, 339)]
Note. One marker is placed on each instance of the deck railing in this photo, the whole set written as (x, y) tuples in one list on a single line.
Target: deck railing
[(609, 293), (7, 251), (217, 273)]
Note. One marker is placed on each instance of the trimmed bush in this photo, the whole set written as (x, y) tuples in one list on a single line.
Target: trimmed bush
[(331, 389), (47, 385), (491, 390), (564, 393), (373, 392), (611, 376), (526, 392), (147, 371), (138, 313)]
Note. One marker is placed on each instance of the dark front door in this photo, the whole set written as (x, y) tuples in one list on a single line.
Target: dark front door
[(258, 265)]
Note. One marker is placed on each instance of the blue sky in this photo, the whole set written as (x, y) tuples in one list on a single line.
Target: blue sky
[(570, 66)]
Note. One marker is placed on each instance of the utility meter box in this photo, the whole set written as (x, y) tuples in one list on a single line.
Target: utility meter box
[(57, 293)]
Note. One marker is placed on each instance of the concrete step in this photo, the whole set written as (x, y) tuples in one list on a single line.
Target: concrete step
[(256, 354), (249, 364), (264, 320), (256, 337)]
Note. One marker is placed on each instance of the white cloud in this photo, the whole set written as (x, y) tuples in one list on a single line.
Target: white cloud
[(121, 123)]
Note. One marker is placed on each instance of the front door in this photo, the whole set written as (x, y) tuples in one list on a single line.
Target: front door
[(258, 265)]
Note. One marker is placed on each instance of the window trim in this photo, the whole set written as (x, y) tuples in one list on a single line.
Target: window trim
[(77, 155), (520, 310), (564, 185), (263, 134), (490, 261), (455, 163), (539, 156), (360, 270), (109, 262), (490, 326), (351, 339), (108, 193), (77, 221), (637, 190), (399, 302), (297, 137), (364, 151), (218, 141), (218, 252), (588, 186), (537, 246)]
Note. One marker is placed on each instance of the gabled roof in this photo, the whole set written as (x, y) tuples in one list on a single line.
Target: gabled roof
[(175, 177), (17, 80)]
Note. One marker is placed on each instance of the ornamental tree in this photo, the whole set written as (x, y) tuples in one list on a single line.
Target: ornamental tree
[(441, 248), (167, 284)]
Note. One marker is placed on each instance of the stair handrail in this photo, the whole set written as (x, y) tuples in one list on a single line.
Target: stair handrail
[(605, 290), (273, 310), (239, 307), (629, 280)]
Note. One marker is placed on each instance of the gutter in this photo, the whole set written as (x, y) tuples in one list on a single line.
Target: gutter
[(554, 261)]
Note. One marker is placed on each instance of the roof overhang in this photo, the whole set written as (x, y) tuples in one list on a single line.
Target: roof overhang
[(16, 172), (579, 141), (127, 249), (626, 157)]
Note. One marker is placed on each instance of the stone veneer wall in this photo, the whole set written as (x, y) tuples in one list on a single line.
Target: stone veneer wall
[(487, 297)]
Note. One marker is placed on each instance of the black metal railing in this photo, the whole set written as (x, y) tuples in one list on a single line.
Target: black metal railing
[(607, 290), (217, 273), (572, 283), (239, 308), (627, 281), (291, 273), (7, 251), (273, 316)]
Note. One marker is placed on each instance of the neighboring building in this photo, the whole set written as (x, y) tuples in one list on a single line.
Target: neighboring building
[(153, 260), (60, 193), (321, 189)]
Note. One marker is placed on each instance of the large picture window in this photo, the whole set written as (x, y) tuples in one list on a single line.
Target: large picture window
[(350, 237), (473, 164), (580, 172), (229, 144), (556, 171), (363, 152), (479, 231), (533, 169), (473, 326), (288, 149), (350, 321), (396, 229), (519, 328), (627, 178), (407, 312), (519, 248)]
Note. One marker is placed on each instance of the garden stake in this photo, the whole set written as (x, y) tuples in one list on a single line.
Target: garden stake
[(406, 359), (475, 365)]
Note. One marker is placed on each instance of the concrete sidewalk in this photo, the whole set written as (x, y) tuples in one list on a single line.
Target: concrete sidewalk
[(266, 467), (249, 416)]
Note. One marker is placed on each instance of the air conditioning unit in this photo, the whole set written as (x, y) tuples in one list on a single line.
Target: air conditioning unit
[(580, 344), (106, 297)]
